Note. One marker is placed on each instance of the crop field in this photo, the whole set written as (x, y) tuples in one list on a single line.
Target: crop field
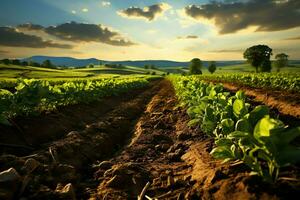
[(149, 100), (174, 133)]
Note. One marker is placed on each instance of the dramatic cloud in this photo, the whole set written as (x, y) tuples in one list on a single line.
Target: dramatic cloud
[(188, 37), (80, 32), (149, 13), (266, 15), (292, 38), (11, 37)]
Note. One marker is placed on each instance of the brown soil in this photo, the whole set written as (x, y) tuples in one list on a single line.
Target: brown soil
[(102, 163), (31, 133), (175, 160), (286, 103)]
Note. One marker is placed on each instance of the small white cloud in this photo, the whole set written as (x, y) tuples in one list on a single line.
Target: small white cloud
[(152, 31), (73, 12), (105, 3), (85, 10)]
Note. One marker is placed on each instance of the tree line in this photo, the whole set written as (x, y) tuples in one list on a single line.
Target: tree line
[(257, 56), (45, 64)]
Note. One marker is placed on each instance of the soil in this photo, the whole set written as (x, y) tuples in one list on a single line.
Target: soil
[(286, 103), (140, 142)]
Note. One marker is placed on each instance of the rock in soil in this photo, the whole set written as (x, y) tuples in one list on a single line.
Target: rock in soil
[(66, 192), (10, 181)]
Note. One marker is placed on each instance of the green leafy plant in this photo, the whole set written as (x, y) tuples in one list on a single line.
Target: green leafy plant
[(251, 136)]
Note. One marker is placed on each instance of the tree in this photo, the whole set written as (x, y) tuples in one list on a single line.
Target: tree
[(146, 66), (47, 64), (257, 55), (5, 61), (281, 61), (90, 66), (266, 66), (24, 63), (212, 67), (16, 62), (195, 66)]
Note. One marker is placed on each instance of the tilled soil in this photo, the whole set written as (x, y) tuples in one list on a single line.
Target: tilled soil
[(285, 102), (175, 160), (164, 158)]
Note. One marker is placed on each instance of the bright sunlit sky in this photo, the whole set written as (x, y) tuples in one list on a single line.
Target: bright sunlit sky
[(148, 29)]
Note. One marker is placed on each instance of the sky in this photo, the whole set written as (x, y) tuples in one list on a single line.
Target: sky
[(148, 29)]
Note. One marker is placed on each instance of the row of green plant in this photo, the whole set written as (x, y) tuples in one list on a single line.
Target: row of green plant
[(35, 96), (276, 81), (7, 83), (240, 131)]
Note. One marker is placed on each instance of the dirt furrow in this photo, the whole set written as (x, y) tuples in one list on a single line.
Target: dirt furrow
[(286, 103), (141, 142), (62, 169), (174, 159)]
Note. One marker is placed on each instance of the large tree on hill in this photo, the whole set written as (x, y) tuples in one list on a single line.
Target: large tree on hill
[(212, 67), (258, 56), (195, 66), (281, 61)]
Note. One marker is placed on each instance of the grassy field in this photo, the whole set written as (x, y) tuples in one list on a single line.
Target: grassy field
[(11, 72), (14, 72)]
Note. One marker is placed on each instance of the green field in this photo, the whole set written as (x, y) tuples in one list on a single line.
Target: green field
[(28, 72)]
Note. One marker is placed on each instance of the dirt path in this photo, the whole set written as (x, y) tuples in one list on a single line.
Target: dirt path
[(145, 139)]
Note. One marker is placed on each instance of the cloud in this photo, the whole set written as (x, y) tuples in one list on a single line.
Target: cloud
[(266, 15), (3, 52), (149, 13), (188, 37), (30, 27), (11, 37), (227, 51), (85, 10), (292, 38), (105, 3), (80, 32), (73, 12), (152, 31)]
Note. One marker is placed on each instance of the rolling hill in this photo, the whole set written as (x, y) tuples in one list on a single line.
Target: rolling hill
[(74, 62)]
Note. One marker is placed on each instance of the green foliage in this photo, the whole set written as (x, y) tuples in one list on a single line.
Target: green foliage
[(258, 55), (281, 61), (275, 81), (35, 96), (47, 64), (212, 67), (195, 66), (252, 136)]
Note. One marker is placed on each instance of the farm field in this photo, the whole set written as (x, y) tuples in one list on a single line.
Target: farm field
[(149, 100), (15, 72), (165, 131)]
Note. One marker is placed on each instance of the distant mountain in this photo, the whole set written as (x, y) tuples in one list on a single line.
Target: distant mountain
[(74, 62), (64, 61)]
